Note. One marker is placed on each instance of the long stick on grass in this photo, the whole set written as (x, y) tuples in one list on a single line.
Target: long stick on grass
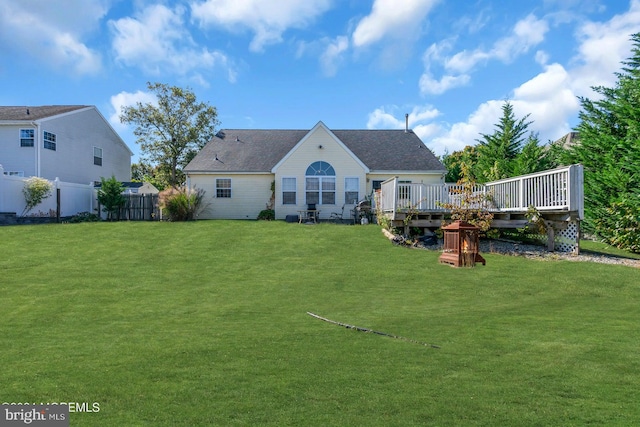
[(361, 329)]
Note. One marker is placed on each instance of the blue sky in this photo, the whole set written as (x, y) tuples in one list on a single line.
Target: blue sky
[(353, 64)]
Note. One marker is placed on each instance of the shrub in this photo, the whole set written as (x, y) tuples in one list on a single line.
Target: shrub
[(620, 225), (35, 191), (181, 204), (84, 217), (267, 215), (110, 197), (473, 205)]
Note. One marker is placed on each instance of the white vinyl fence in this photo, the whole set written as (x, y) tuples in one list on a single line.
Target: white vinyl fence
[(73, 198)]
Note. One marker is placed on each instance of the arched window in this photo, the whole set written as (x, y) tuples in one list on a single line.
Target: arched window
[(320, 184), (320, 169)]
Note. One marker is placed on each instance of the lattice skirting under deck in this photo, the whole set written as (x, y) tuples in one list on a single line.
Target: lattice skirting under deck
[(568, 239)]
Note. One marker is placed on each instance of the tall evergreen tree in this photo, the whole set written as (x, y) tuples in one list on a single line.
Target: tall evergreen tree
[(609, 149), (497, 152), (530, 158)]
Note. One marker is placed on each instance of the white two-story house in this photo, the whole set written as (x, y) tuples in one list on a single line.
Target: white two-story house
[(74, 143)]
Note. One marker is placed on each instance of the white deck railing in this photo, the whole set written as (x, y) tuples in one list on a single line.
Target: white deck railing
[(553, 190)]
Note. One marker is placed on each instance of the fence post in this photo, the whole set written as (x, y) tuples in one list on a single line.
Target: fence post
[(57, 182), (2, 190)]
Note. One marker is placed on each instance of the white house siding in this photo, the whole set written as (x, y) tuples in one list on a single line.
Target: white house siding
[(250, 194), (76, 135), (13, 157), (296, 164)]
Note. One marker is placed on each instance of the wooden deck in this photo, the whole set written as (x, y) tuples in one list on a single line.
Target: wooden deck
[(557, 194)]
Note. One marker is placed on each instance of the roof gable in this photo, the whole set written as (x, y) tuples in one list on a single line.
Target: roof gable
[(320, 126)]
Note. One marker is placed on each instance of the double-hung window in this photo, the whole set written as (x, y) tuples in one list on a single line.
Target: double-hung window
[(351, 190), (50, 141), (97, 156), (320, 184), (223, 188), (288, 191), (27, 136)]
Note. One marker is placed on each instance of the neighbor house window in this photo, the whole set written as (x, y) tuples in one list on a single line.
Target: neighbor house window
[(351, 190), (288, 191), (320, 184), (26, 137), (97, 156), (50, 141), (223, 187)]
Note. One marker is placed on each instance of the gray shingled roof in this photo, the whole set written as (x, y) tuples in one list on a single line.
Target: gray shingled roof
[(236, 150), (28, 113)]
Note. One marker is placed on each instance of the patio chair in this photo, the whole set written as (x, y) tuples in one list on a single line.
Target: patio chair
[(338, 216)]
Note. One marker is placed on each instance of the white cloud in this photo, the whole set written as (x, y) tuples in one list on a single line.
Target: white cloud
[(333, 55), (397, 19), (267, 20), (603, 46), (52, 32), (380, 118), (461, 134), (127, 99), (526, 34), (542, 57), (429, 85), (157, 41), (465, 61), (547, 98)]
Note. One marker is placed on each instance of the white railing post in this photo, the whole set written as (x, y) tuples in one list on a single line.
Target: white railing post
[(2, 190), (520, 184), (395, 196)]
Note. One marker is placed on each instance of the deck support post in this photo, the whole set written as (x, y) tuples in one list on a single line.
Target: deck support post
[(551, 237)]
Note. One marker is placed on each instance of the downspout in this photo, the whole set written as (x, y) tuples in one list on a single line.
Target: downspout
[(36, 142)]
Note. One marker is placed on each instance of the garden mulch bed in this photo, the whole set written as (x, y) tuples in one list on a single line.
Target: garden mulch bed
[(531, 251)]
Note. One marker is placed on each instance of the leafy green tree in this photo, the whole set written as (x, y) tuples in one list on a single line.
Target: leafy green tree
[(156, 175), (609, 149), (497, 152), (454, 162), (173, 131), (110, 197), (35, 190)]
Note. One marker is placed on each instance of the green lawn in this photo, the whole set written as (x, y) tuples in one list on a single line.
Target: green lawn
[(589, 246), (204, 323)]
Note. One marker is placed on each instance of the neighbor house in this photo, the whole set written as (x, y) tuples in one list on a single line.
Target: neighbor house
[(246, 171), (71, 142)]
